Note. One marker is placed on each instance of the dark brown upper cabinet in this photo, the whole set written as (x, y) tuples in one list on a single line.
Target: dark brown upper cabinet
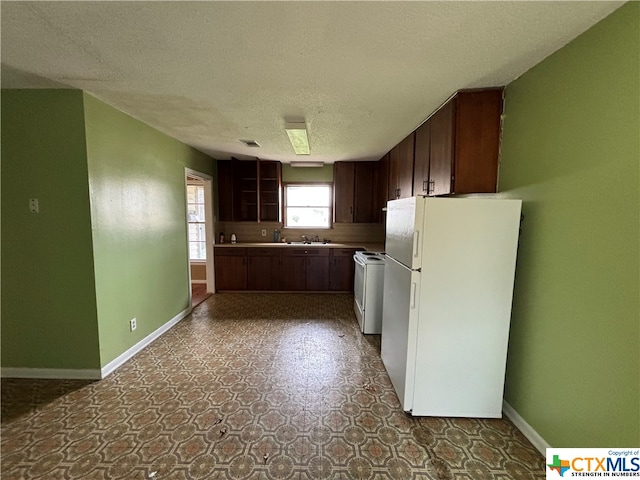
[(366, 204), (383, 186), (225, 190), (270, 184), (356, 198), (245, 207), (249, 190), (454, 151), (422, 157), (401, 168), (465, 142), (344, 181)]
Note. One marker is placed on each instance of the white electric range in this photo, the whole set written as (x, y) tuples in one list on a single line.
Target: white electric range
[(367, 291)]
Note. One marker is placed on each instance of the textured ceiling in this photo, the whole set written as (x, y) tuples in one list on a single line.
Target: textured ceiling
[(362, 74)]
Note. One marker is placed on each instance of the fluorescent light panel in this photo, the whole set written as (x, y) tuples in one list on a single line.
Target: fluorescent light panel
[(297, 133), (307, 164)]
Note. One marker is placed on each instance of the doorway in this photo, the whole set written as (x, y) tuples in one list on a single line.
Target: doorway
[(199, 205)]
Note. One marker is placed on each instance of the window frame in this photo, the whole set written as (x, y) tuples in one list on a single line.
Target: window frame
[(197, 185), (285, 205)]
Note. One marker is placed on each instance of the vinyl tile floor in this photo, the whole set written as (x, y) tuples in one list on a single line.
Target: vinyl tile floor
[(250, 386), (198, 294)]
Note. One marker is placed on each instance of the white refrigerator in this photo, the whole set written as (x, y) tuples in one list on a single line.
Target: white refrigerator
[(448, 286)]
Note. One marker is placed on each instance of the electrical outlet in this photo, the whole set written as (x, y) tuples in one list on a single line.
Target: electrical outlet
[(34, 205), (264, 232), (132, 324)]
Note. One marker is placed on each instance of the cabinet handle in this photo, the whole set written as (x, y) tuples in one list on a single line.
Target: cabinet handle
[(397, 193), (351, 210), (416, 244), (412, 297), (431, 187), (425, 185)]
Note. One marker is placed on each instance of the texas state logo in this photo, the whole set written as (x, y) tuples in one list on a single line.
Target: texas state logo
[(593, 462), (559, 465)]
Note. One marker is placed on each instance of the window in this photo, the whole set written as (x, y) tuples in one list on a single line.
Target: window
[(195, 212), (307, 206)]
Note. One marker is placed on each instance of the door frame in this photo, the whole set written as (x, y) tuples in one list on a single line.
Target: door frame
[(208, 225)]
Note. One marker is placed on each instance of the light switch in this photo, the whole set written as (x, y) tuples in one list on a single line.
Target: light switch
[(34, 206)]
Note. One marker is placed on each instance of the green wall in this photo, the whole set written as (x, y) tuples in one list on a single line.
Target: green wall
[(307, 174), (110, 241), (571, 151), (49, 317), (138, 216)]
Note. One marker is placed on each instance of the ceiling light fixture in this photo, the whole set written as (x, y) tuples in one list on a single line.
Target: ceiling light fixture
[(297, 133), (250, 143), (307, 164)]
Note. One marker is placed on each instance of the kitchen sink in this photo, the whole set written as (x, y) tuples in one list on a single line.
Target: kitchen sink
[(307, 243)]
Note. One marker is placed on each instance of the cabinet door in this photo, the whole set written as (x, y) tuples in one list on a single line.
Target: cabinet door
[(317, 272), (231, 271), (245, 191), (477, 141), (270, 175), (293, 270), (405, 166), (341, 270), (343, 191), (383, 187), (366, 205), (421, 160), (262, 272), (441, 150), (394, 165), (225, 190)]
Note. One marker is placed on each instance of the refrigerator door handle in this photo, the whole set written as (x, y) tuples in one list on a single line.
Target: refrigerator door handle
[(413, 294), (416, 244)]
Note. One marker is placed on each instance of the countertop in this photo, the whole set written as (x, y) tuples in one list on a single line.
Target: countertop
[(370, 247)]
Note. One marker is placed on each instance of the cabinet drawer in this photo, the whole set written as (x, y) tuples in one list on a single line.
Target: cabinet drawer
[(343, 252), (319, 252), (229, 252), (263, 252)]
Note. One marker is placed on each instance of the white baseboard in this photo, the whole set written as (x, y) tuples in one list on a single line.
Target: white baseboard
[(92, 374), (52, 373), (123, 357), (199, 281), (527, 430)]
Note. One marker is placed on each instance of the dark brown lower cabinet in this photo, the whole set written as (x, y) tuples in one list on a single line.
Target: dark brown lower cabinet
[(230, 265), (317, 274), (304, 269), (262, 271), (289, 269), (293, 273), (341, 270)]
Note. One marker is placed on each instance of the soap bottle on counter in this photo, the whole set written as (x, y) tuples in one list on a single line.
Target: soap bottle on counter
[(221, 239), (233, 238), (276, 236)]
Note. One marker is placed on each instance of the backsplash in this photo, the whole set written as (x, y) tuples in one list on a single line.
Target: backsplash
[(339, 233)]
